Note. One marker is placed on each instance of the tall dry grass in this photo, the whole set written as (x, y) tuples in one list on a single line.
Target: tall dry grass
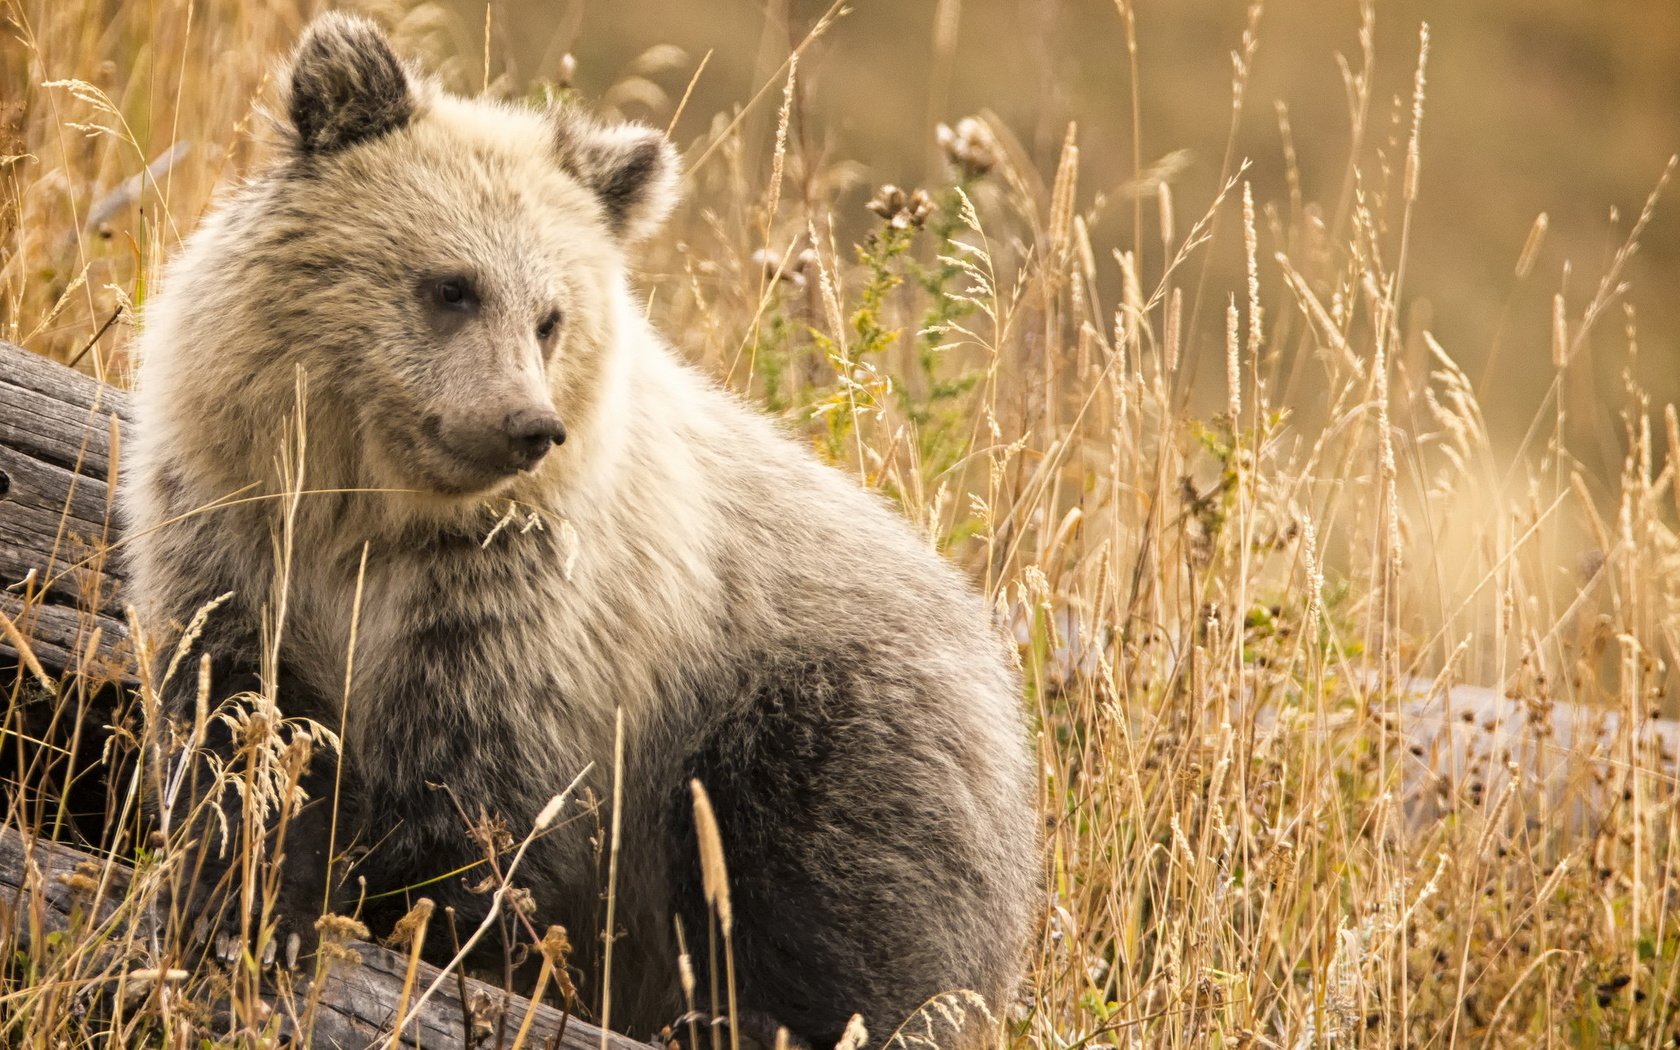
[(1255, 540)]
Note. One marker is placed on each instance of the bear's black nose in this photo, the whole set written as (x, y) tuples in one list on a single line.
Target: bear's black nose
[(530, 435)]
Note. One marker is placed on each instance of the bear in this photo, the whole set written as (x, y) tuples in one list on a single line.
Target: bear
[(397, 388)]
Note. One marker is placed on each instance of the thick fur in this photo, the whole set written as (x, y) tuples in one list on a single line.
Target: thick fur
[(762, 623)]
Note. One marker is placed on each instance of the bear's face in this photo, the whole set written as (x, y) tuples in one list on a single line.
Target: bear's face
[(447, 267)]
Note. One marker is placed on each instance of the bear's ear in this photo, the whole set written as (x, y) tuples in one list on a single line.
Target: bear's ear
[(631, 168), (345, 85)]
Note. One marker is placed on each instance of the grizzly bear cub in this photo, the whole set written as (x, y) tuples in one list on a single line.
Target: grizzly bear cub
[(405, 363)]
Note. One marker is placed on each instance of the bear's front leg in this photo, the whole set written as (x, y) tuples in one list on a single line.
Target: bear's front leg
[(252, 805)]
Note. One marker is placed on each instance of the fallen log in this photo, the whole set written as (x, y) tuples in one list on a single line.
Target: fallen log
[(62, 622), (60, 581), (47, 889)]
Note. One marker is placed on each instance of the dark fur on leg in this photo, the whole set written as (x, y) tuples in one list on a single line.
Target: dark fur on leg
[(299, 844), (838, 908)]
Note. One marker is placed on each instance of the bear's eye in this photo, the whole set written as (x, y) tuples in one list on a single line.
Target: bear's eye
[(454, 293), (546, 330)]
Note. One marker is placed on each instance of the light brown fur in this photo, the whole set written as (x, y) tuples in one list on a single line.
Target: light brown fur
[(760, 621)]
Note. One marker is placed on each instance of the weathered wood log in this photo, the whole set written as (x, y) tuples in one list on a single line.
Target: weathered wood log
[(61, 598), (355, 1005), (60, 582)]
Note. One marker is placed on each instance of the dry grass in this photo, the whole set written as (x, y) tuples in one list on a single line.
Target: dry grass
[(1251, 538)]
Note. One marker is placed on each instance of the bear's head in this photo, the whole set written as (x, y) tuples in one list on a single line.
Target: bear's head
[(446, 273)]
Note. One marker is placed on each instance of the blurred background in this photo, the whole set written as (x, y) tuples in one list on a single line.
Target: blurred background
[(1567, 108)]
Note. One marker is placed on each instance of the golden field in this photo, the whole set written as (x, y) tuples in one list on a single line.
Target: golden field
[(1295, 378)]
